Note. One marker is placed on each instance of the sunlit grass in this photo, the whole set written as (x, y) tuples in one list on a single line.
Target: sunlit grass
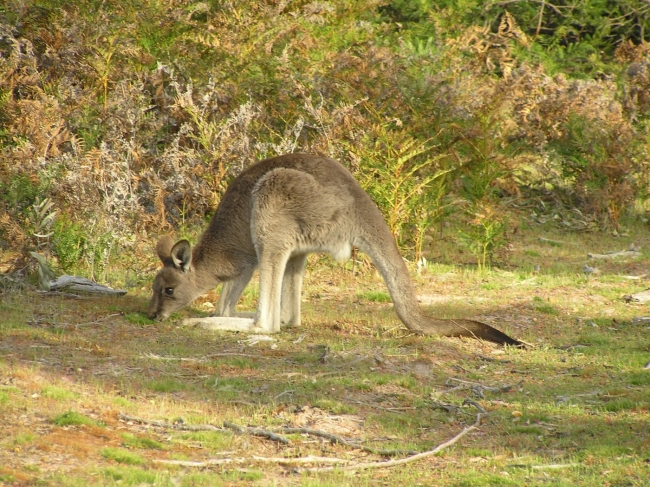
[(572, 398)]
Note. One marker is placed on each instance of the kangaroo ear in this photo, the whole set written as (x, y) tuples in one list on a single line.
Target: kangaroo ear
[(181, 254), (164, 247)]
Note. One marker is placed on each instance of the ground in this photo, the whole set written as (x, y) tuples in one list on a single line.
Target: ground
[(93, 393)]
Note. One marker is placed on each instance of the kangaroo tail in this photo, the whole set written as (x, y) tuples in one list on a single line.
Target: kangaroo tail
[(390, 264)]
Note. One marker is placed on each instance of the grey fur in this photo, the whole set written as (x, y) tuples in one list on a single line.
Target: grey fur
[(274, 214)]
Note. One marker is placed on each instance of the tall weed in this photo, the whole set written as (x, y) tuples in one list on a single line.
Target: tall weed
[(405, 180)]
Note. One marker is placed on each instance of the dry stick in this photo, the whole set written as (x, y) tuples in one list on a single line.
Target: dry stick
[(163, 424), (479, 388), (208, 427), (311, 459), (450, 408), (476, 405), (343, 441), (153, 356), (405, 408), (189, 463), (614, 254), (98, 320), (256, 432), (254, 458), (307, 459), (402, 461)]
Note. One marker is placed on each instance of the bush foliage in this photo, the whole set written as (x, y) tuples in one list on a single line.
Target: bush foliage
[(132, 118)]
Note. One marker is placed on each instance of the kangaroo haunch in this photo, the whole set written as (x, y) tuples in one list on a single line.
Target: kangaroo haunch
[(271, 216)]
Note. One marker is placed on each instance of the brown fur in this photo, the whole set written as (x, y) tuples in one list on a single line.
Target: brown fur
[(274, 214)]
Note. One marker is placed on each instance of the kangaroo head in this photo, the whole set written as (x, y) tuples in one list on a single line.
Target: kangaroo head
[(174, 285)]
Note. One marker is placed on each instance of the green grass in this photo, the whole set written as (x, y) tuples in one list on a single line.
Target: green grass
[(139, 319), (375, 296), (544, 307), (120, 455), (130, 476), (132, 441), (24, 438), (58, 393), (579, 395), (72, 418), (166, 385), (335, 407), (214, 441)]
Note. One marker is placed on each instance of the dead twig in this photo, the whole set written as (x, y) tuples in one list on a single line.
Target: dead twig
[(307, 459), (256, 432), (97, 321), (206, 463), (476, 405), (450, 408), (253, 459), (382, 408), (175, 426), (479, 388), (153, 356), (342, 441), (288, 392), (62, 294), (552, 242), (402, 461), (614, 254)]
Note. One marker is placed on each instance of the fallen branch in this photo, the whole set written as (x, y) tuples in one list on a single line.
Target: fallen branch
[(552, 242), (253, 459), (153, 356), (613, 255), (450, 408), (640, 320), (342, 441), (479, 388), (401, 461), (189, 463), (256, 432), (552, 466), (81, 284), (174, 426), (640, 297), (476, 405), (307, 459), (96, 322), (382, 408), (555, 466)]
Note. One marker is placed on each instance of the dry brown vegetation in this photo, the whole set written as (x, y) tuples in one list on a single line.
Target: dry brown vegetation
[(92, 393), (131, 121), (477, 130)]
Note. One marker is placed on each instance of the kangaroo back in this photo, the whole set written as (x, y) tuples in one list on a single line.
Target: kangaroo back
[(232, 246), (376, 240)]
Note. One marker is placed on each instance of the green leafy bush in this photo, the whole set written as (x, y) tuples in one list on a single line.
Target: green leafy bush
[(603, 165), (68, 243), (141, 130)]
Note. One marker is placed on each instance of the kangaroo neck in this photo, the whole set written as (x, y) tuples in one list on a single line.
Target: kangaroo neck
[(216, 258)]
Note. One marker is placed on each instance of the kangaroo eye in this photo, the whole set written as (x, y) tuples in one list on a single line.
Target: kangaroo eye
[(169, 291)]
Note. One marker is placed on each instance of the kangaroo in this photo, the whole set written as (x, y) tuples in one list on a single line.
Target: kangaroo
[(272, 215)]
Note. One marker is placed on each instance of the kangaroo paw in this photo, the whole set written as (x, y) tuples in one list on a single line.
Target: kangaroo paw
[(215, 323)]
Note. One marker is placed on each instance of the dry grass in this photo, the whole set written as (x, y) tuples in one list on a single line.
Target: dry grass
[(576, 412)]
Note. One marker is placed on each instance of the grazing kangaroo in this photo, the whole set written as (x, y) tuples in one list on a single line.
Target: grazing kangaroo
[(271, 216)]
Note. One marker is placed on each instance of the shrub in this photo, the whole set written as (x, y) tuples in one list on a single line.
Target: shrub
[(602, 164)]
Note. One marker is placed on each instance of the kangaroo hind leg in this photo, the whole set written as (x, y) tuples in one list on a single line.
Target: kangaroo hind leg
[(291, 289), (272, 266)]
